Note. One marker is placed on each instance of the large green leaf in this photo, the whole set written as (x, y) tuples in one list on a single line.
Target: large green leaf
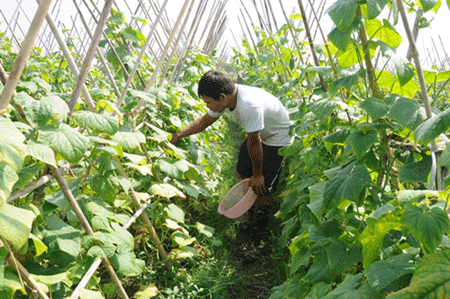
[(41, 152), (129, 138), (374, 7), (65, 140), (361, 141), (355, 54), (40, 112), (376, 108), (428, 4), (61, 237), (8, 177), (318, 291), (166, 190), (416, 171), (101, 122), (347, 184), (383, 32), (105, 186), (388, 81), (323, 108), (316, 199), (372, 238), (427, 226), (127, 264), (12, 148), (349, 81), (432, 127), (174, 213), (15, 225), (430, 280), (26, 175), (407, 112), (341, 39), (11, 284), (342, 12), (382, 273), (351, 288)]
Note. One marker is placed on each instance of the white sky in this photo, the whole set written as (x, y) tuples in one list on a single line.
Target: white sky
[(436, 33)]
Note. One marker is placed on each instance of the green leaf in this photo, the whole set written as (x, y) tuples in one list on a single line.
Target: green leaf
[(147, 292), (117, 19), (174, 212), (40, 112), (412, 196), (12, 148), (374, 7), (318, 291), (11, 284), (361, 141), (383, 273), (26, 175), (351, 288), (376, 108), (340, 39), (39, 245), (342, 12), (432, 127), (323, 108), (347, 184), (430, 280), (354, 54), (428, 227), (383, 32), (316, 199), (372, 238), (416, 171), (52, 279), (8, 177), (101, 122), (428, 4), (65, 140), (405, 72), (61, 237), (204, 229), (88, 294), (148, 97), (166, 190), (134, 35), (407, 112), (105, 186), (129, 138), (182, 239), (41, 152), (339, 137), (15, 225), (348, 81), (127, 264)]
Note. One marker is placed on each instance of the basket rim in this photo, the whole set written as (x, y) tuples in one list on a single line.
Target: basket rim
[(245, 202)]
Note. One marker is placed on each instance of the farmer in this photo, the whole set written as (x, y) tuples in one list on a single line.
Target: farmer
[(266, 123)]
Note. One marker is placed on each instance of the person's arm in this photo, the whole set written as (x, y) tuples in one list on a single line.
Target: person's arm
[(256, 154), (195, 127)]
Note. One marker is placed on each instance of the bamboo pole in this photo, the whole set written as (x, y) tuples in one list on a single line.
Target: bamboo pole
[(212, 12), (172, 54), (98, 50), (409, 55), (24, 54), (90, 56), (369, 66), (71, 62), (311, 43), (8, 25), (144, 216), (415, 54), (13, 37), (36, 184), (23, 273), (87, 227), (288, 22), (141, 55), (185, 52), (163, 56), (93, 268)]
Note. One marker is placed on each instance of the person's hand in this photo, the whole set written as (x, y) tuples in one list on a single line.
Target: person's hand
[(175, 138), (257, 183)]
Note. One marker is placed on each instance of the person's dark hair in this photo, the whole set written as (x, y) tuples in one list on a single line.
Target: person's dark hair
[(213, 83)]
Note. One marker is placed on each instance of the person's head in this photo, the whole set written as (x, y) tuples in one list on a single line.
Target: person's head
[(213, 84)]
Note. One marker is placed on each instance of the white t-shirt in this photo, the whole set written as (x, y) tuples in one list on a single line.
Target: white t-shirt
[(258, 110)]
